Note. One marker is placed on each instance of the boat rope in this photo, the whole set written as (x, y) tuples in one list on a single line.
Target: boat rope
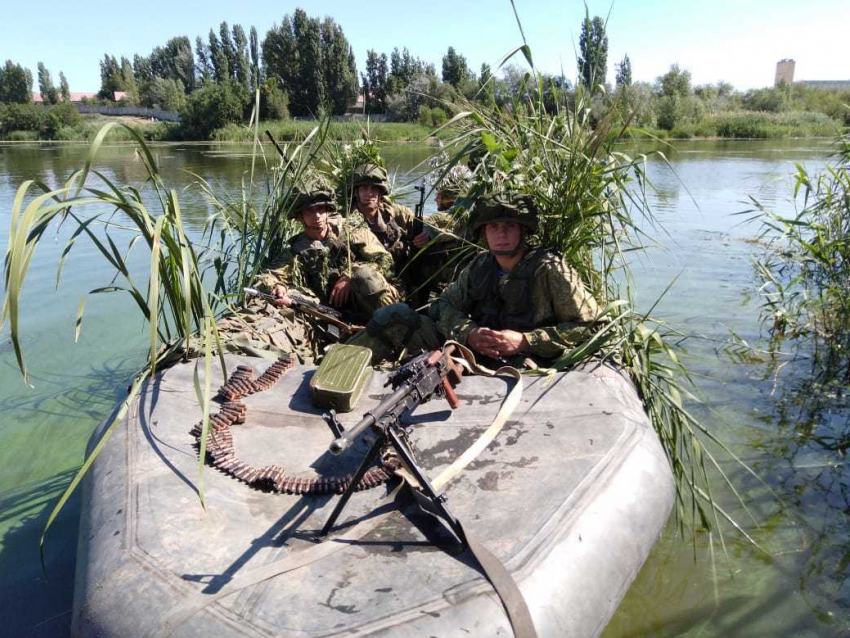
[(498, 575), (220, 449)]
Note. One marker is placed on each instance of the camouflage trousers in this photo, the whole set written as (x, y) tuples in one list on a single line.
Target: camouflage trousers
[(395, 332), (370, 291)]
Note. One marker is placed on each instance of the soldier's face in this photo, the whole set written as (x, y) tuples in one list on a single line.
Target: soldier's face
[(315, 220), (444, 202), (367, 195), (503, 237)]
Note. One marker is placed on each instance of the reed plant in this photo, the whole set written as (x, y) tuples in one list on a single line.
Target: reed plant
[(804, 269)]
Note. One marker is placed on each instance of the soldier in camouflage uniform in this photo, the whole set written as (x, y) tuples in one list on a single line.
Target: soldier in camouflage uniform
[(514, 301), (446, 233), (393, 224), (316, 263), (331, 262)]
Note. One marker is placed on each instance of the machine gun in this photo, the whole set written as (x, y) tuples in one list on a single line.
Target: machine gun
[(324, 313), (428, 375)]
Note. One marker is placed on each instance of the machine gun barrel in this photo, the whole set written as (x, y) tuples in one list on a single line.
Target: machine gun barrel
[(396, 399)]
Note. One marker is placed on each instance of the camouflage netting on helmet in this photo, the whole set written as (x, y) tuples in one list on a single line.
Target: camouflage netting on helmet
[(312, 191), (371, 174), (506, 207), (455, 182)]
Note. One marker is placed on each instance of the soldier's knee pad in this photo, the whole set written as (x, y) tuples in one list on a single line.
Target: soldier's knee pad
[(367, 282), (397, 315)]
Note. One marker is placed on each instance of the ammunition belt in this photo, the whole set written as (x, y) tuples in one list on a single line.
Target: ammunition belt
[(220, 450)]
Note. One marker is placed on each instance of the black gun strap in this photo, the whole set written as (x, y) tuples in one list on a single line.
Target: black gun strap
[(505, 587)]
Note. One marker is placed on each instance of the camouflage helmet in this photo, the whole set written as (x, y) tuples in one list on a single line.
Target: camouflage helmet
[(371, 174), (509, 208), (311, 195), (456, 181)]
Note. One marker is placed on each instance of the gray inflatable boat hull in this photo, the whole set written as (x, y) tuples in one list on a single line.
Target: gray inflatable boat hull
[(571, 496)]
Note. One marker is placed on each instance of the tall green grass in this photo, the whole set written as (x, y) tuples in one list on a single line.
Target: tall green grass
[(804, 270), (750, 125)]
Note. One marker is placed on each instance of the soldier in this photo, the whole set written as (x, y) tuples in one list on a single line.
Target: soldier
[(513, 300), (512, 303), (392, 224), (337, 265)]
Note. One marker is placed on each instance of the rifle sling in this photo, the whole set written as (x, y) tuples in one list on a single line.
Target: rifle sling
[(498, 575)]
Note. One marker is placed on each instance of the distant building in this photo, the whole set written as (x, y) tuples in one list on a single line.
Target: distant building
[(784, 72), (77, 98)]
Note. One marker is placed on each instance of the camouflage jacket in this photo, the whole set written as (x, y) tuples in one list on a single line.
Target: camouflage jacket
[(314, 266), (541, 297), (393, 228)]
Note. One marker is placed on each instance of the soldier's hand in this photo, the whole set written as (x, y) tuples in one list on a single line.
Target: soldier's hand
[(482, 340), (509, 342), (341, 292), (421, 239), (281, 298)]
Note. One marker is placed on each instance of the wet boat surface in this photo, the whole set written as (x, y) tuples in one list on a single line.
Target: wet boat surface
[(571, 497)]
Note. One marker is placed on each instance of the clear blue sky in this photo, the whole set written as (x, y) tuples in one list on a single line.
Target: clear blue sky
[(737, 41)]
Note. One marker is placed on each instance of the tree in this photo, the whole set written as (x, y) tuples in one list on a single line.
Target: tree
[(624, 72), (218, 57), (228, 49), (593, 45), (142, 70), (455, 69), (110, 78), (175, 61), (280, 55), (203, 68), (242, 70), (64, 88), (166, 94), (212, 106), (375, 82), (128, 80), (308, 94), (49, 94), (340, 79), (676, 82), (487, 85), (15, 84)]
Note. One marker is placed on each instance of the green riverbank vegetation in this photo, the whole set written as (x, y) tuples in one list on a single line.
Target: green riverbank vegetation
[(305, 68), (804, 271), (544, 142)]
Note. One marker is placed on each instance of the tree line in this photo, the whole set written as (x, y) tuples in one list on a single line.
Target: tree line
[(305, 67)]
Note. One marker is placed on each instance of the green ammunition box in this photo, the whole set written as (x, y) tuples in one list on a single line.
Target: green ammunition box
[(340, 378)]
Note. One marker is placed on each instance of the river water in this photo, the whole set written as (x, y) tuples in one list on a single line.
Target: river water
[(800, 588)]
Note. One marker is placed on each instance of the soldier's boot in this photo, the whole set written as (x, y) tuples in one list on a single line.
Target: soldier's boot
[(371, 291), (395, 329)]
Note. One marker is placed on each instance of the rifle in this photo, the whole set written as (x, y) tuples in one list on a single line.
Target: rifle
[(418, 381), (419, 211), (324, 313)]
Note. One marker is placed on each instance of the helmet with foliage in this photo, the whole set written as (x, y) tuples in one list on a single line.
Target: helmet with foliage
[(311, 194), (371, 174), (456, 182), (508, 208)]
